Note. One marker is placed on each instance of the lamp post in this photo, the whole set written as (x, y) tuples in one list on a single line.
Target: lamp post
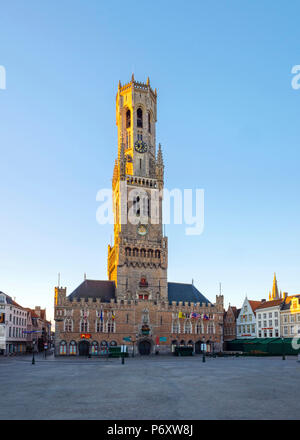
[(283, 354), (203, 351), (33, 345)]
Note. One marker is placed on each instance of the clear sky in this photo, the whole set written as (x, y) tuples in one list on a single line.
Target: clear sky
[(228, 121)]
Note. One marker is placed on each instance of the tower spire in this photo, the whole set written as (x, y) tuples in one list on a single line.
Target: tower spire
[(275, 294)]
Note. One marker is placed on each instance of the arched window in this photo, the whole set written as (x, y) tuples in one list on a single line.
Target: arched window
[(99, 326), (84, 325), (199, 328), (150, 253), (128, 252), (110, 326), (113, 344), (210, 328), (73, 348), (149, 122), (182, 342), (135, 252), (68, 325), (188, 326), (128, 119), (176, 326), (139, 116), (95, 348), (157, 254), (143, 253), (63, 347)]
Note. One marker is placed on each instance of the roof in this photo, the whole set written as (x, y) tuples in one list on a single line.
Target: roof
[(287, 303), (273, 303), (9, 300), (254, 304), (185, 293), (105, 290)]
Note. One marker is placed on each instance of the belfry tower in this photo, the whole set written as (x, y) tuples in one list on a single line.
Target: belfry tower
[(138, 259)]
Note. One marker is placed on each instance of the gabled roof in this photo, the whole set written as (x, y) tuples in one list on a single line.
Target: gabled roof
[(105, 290), (185, 292), (254, 304)]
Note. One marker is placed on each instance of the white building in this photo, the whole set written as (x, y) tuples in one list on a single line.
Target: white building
[(13, 324), (268, 319), (246, 321)]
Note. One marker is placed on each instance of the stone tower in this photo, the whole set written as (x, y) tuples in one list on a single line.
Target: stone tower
[(138, 260)]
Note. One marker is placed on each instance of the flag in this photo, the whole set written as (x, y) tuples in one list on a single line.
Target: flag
[(101, 316), (180, 315), (112, 316)]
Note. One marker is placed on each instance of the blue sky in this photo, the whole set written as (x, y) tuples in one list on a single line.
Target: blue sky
[(228, 121)]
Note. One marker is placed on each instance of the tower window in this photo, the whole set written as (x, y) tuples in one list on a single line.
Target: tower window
[(139, 114), (149, 122), (128, 118)]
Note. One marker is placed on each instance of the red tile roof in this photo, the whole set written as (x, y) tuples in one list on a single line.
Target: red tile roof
[(254, 304), (274, 302)]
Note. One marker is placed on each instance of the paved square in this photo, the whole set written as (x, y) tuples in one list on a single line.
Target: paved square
[(161, 387)]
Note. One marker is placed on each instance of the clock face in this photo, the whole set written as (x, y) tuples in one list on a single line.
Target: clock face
[(142, 229), (140, 146)]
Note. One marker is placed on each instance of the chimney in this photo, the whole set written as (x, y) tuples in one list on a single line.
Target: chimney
[(263, 300), (284, 295)]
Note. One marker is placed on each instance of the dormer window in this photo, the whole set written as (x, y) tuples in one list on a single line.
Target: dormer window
[(2, 299), (139, 115)]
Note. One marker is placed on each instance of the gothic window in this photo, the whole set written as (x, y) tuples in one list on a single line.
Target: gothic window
[(143, 253), (110, 326), (68, 325), (128, 119), (139, 115), (157, 254), (128, 252), (84, 325), (136, 205), (176, 326), (63, 347), (188, 327), (135, 252), (99, 326), (150, 253), (149, 122), (73, 348), (199, 328)]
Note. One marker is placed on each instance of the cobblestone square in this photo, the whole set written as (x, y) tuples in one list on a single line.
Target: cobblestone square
[(157, 387)]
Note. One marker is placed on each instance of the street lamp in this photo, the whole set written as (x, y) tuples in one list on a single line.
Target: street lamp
[(283, 353), (203, 351), (33, 345)]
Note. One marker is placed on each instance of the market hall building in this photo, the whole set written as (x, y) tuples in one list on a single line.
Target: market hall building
[(137, 306)]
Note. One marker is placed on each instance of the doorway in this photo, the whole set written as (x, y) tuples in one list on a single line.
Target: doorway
[(144, 348)]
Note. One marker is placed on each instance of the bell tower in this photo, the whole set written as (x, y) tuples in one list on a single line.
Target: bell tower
[(138, 259)]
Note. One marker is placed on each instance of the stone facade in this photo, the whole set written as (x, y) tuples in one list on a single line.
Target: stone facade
[(137, 302), (230, 317)]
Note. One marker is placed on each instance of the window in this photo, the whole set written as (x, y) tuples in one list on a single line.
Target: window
[(276, 333), (276, 322), (276, 314), (265, 315), (73, 348), (258, 316), (292, 318), (110, 326), (285, 330), (265, 334), (265, 323), (285, 319), (199, 328), (188, 327), (63, 347), (292, 330), (84, 326), (270, 334), (259, 324), (149, 122), (259, 334), (270, 315), (128, 118), (2, 299), (253, 328), (99, 326), (176, 326), (250, 318), (139, 116), (68, 325), (270, 323)]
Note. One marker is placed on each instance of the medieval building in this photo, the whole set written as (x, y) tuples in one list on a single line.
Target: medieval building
[(137, 306)]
